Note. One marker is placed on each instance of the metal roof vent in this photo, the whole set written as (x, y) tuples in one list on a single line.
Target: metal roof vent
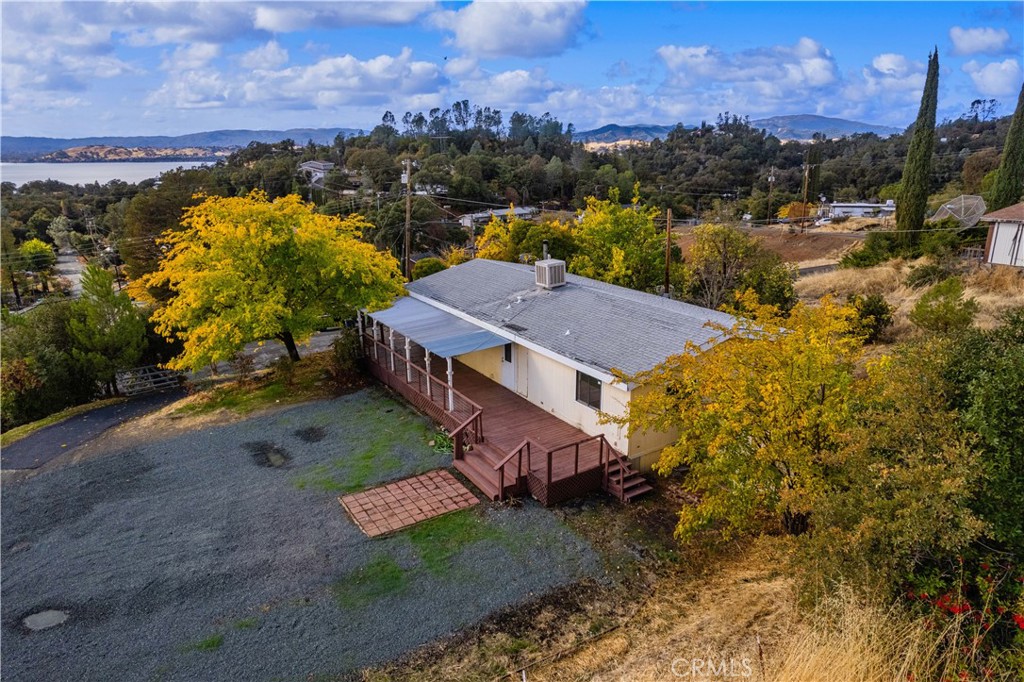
[(550, 273)]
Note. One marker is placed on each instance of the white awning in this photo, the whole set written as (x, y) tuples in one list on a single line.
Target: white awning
[(439, 332)]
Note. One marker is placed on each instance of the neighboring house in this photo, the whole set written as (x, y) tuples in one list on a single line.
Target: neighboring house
[(316, 171), (860, 210), (471, 220), (533, 343), (1005, 242)]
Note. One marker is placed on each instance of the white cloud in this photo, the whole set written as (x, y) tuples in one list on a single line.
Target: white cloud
[(979, 40), (297, 16), (995, 79), (190, 57), (269, 56), (345, 80), (196, 89), (514, 28), (766, 70)]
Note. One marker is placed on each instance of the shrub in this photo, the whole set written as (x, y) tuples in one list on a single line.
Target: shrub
[(427, 266), (942, 238), (874, 315), (343, 364), (926, 275), (943, 309), (878, 247)]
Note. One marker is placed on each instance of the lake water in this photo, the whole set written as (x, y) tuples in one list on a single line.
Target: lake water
[(86, 173)]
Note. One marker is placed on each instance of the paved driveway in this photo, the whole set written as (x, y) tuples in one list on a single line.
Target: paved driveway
[(193, 558)]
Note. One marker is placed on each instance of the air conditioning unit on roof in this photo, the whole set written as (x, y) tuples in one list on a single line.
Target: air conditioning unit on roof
[(550, 273)]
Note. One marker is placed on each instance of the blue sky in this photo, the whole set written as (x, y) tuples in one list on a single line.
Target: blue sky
[(77, 68)]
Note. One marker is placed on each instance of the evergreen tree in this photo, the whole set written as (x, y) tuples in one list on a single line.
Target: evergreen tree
[(912, 198), (107, 331), (1010, 178)]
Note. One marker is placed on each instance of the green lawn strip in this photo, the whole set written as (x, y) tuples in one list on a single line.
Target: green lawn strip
[(19, 432), (211, 643), (439, 539), (377, 579)]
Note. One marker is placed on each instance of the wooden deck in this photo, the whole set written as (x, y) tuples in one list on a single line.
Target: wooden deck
[(505, 444)]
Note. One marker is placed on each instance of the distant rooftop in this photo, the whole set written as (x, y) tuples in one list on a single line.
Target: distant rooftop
[(597, 325)]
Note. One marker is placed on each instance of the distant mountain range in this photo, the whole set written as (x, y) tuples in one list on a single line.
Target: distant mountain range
[(803, 127), (616, 133), (215, 142), (798, 127)]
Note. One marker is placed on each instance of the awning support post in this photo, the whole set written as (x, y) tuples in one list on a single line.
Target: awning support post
[(427, 361), (376, 338), (391, 342), (451, 394), (408, 360)]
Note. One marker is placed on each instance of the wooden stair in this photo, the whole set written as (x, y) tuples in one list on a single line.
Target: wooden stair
[(633, 484), (478, 465)]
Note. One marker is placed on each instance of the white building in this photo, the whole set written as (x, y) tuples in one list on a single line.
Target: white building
[(471, 220), (860, 210), (1005, 242)]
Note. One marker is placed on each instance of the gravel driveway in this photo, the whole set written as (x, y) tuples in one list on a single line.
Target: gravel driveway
[(192, 559)]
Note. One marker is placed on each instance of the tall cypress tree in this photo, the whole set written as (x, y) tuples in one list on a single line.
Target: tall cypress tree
[(1009, 184), (912, 198)]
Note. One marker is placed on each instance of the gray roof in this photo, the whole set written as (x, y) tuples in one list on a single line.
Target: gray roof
[(598, 325)]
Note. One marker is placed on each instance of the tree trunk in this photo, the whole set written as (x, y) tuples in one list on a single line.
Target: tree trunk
[(796, 523), (289, 343), (14, 286)]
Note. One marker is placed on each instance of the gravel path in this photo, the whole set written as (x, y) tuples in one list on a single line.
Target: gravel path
[(190, 559)]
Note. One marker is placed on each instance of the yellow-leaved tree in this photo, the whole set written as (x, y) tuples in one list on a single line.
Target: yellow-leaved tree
[(760, 414), (246, 269)]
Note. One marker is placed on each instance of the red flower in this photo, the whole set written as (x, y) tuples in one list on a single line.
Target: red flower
[(1000, 610), (984, 566), (1019, 620)]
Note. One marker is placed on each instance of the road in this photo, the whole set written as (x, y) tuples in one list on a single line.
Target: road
[(48, 443), (69, 267)]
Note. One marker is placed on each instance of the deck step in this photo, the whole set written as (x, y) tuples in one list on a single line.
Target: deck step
[(470, 468), (633, 484)]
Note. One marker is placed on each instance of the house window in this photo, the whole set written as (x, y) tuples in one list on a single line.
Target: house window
[(588, 390), (508, 352)]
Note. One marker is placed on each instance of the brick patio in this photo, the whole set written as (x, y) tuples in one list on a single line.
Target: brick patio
[(397, 505)]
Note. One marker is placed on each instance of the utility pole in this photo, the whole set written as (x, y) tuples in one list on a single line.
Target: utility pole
[(668, 250), (408, 219), (771, 186), (807, 177)]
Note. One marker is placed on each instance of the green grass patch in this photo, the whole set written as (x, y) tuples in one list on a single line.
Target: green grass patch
[(306, 381), (211, 643), (380, 578), (246, 623), (387, 426), (439, 539), (19, 432)]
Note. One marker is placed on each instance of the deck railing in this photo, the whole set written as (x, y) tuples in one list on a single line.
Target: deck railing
[(438, 399), (606, 454)]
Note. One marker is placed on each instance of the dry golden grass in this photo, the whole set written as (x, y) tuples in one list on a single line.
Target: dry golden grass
[(996, 289), (717, 619)]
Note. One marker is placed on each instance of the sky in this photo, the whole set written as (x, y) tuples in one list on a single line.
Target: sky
[(81, 68)]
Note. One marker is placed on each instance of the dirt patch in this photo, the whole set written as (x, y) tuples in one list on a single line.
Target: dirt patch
[(311, 434), (804, 248), (267, 454)]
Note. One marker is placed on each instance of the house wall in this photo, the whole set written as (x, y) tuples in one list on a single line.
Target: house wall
[(487, 362), (1006, 244), (645, 447), (552, 386)]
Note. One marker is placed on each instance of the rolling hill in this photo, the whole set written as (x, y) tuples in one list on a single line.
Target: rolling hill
[(34, 148), (797, 127)]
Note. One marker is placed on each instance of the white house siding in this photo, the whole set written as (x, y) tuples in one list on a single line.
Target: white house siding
[(645, 448), (487, 362), (1007, 245)]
